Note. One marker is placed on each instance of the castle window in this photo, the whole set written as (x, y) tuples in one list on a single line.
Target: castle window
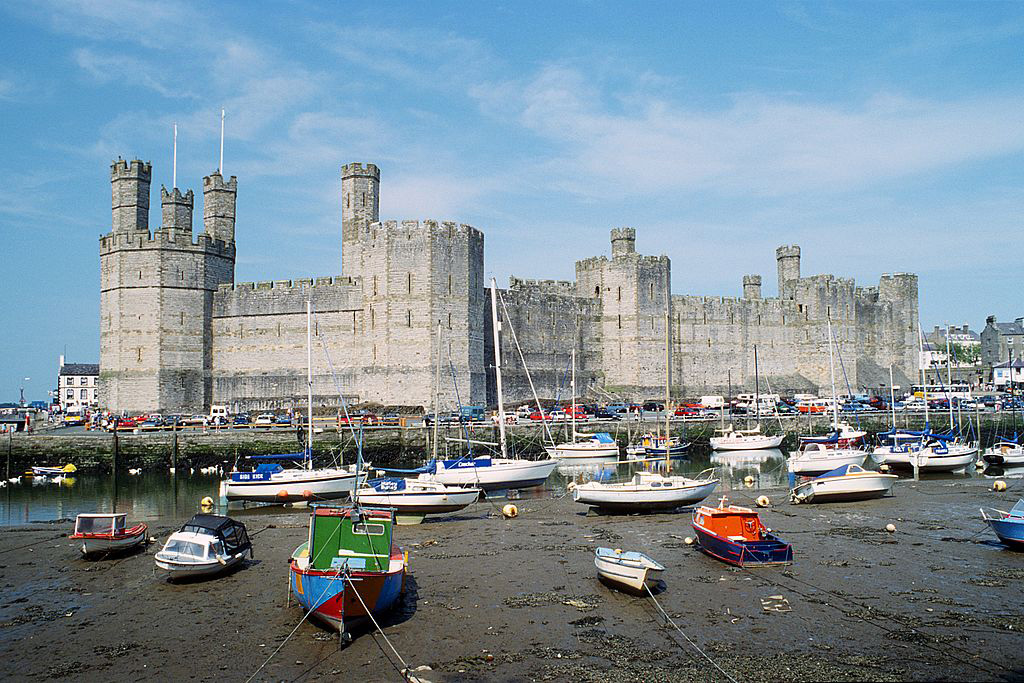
[(140, 274), (374, 353), (375, 285), (408, 282), (348, 203), (652, 291), (449, 283), (182, 318), (449, 321), (181, 276), (364, 199), (373, 322), (138, 358), (408, 318), (620, 322), (597, 290), (652, 319), (619, 294)]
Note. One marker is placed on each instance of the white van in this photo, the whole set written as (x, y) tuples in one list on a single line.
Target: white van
[(712, 402), (218, 415)]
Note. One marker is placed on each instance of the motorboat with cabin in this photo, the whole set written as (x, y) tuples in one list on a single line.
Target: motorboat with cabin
[(1007, 526), (735, 535), (930, 452), (817, 456), (272, 482), (205, 545), (730, 439), (349, 568), (846, 483), (107, 532), (599, 445), (414, 498)]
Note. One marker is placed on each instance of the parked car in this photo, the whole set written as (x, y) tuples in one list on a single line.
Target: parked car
[(265, 419), (391, 419), (240, 419), (283, 420), (537, 415), (605, 414)]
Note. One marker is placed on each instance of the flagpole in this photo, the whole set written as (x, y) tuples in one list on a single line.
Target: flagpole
[(220, 166), (174, 163)]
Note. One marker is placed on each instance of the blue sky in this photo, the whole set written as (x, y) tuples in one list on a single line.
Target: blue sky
[(879, 136)]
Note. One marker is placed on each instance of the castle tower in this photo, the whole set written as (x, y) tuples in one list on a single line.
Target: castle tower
[(788, 258), (219, 207), (129, 189), (176, 210), (623, 241), (751, 286), (360, 206), (156, 296)]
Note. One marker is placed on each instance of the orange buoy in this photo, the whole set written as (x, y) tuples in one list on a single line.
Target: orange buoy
[(282, 494), (307, 494)]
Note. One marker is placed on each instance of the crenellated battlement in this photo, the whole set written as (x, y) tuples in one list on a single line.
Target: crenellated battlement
[(288, 297), (300, 285), (166, 238), (552, 287), (419, 229), (360, 170), (215, 181), (135, 169)]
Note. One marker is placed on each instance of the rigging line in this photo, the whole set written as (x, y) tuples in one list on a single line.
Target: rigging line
[(374, 620), (337, 385), (533, 389), (686, 637), (842, 366), (877, 624)]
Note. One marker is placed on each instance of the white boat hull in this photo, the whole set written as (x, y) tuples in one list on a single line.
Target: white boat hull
[(585, 450), (182, 570), (1004, 454), (819, 462), (502, 473), (631, 497), (752, 442), (623, 574), (860, 486), (420, 502), (107, 545), (927, 459), (294, 485)]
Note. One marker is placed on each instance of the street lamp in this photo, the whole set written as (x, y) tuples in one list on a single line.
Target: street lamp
[(26, 379)]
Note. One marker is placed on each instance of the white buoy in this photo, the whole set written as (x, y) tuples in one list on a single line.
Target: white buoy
[(763, 501), (883, 468), (510, 511), (980, 464), (891, 528), (688, 540), (748, 480)]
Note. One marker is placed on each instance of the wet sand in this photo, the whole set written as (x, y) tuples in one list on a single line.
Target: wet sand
[(514, 600)]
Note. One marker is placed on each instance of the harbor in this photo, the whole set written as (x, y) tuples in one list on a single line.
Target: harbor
[(492, 598)]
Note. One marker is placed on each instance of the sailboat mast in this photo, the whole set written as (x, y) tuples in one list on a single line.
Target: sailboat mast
[(949, 379), (924, 371), (495, 328), (309, 384), (757, 390), (892, 399), (832, 373), (437, 389), (668, 378), (572, 385)]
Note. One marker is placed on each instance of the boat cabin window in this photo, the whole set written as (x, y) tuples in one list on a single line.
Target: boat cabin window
[(179, 547), (371, 529), (96, 525)]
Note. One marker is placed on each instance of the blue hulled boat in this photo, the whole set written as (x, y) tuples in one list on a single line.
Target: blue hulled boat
[(1008, 526)]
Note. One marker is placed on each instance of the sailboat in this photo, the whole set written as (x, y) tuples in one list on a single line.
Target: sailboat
[(272, 482), (412, 499), (1007, 450), (659, 445), (818, 455), (747, 439), (485, 471), (926, 450), (600, 445)]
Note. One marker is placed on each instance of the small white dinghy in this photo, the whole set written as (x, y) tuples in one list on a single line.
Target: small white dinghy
[(107, 532), (414, 498), (624, 569), (849, 482), (1006, 452), (205, 545), (647, 491), (817, 458)]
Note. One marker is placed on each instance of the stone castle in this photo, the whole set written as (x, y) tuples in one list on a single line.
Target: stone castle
[(177, 333)]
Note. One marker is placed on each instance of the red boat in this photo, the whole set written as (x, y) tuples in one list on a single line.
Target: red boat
[(736, 535), (107, 532)]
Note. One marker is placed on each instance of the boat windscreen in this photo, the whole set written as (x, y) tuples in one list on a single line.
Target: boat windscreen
[(96, 525), (1018, 509), (184, 549)]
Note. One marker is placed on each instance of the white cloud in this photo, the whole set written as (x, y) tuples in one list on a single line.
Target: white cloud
[(121, 68), (761, 143)]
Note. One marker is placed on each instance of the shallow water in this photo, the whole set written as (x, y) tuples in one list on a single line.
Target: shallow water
[(153, 496)]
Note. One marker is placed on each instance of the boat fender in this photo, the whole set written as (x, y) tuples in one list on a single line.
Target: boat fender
[(510, 511), (763, 501), (999, 485), (980, 464), (891, 528), (748, 480), (221, 560), (883, 468), (307, 494), (688, 540)]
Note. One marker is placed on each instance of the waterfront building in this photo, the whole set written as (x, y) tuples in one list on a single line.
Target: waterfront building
[(177, 333), (77, 385), (1001, 341)]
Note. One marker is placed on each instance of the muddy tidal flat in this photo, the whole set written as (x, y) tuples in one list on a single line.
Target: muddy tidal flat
[(494, 599)]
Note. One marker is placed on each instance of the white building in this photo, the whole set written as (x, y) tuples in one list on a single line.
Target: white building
[(76, 386), (1008, 372)]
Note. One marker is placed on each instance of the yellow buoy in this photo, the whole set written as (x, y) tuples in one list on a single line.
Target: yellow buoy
[(206, 502), (999, 485), (748, 480), (883, 468), (763, 501), (69, 468), (510, 511), (891, 528)]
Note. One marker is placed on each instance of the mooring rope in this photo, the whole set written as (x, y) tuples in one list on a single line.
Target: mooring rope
[(686, 637), (405, 666)]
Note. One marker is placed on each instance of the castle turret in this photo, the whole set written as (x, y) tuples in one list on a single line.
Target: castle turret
[(219, 207), (623, 241), (176, 209), (129, 188), (788, 258), (751, 286), (360, 206)]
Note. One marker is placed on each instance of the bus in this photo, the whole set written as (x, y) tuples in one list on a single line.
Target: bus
[(958, 389)]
